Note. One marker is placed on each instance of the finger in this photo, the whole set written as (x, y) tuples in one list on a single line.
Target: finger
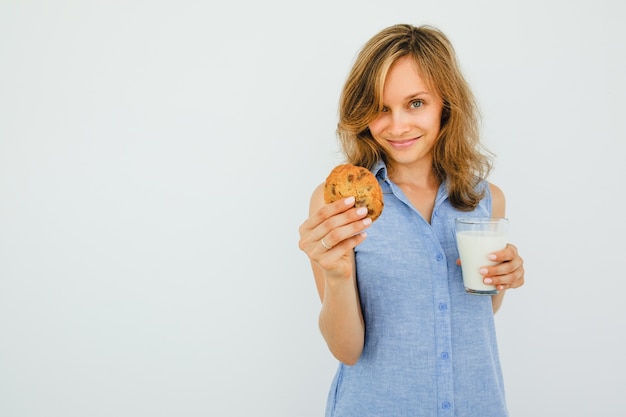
[(506, 254), (343, 226), (327, 211), (317, 225), (335, 257), (333, 231), (324, 212), (508, 273)]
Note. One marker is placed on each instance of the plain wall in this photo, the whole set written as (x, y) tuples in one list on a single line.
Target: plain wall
[(157, 158)]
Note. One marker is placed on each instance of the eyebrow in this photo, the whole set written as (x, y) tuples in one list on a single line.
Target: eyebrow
[(420, 93), (417, 95)]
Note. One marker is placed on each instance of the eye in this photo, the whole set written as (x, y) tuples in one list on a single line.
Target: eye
[(416, 104), (384, 110)]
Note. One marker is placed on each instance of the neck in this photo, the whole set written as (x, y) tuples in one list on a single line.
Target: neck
[(415, 176)]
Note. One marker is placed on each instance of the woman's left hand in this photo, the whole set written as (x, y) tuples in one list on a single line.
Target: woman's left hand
[(508, 273)]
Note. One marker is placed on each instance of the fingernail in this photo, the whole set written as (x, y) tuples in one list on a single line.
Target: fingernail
[(349, 201), (367, 221), (487, 280), (361, 211), (492, 257), (483, 271)]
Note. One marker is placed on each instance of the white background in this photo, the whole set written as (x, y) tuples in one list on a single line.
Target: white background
[(157, 157)]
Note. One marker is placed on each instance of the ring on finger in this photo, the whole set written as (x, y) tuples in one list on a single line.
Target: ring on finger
[(325, 245)]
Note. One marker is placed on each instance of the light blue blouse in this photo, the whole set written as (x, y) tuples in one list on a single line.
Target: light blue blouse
[(430, 348)]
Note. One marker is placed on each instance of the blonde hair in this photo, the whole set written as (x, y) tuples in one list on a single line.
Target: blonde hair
[(458, 156)]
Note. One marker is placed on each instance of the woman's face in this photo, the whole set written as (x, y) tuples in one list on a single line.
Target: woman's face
[(408, 125)]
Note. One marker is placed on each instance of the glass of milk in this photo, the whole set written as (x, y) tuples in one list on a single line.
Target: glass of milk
[(476, 238)]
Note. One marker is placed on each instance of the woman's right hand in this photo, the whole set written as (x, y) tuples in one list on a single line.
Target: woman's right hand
[(331, 233)]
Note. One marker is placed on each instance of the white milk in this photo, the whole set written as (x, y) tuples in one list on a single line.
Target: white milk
[(474, 246)]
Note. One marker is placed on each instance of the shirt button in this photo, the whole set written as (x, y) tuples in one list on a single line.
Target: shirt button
[(436, 213), (445, 405), (439, 257), (443, 306), (444, 355)]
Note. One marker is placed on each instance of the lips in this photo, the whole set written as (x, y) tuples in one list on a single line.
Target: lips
[(402, 144)]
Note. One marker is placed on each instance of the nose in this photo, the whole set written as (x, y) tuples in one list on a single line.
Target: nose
[(398, 124)]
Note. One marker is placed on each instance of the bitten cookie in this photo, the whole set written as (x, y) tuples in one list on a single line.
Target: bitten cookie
[(350, 180)]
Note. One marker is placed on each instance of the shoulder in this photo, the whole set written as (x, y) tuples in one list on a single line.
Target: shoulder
[(498, 202)]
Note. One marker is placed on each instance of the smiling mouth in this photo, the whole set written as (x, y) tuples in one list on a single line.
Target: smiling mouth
[(401, 144)]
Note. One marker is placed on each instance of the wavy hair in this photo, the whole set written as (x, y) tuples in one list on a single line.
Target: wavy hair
[(458, 156)]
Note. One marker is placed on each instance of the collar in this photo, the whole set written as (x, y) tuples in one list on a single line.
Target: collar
[(380, 171)]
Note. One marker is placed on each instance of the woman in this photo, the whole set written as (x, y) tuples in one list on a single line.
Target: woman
[(410, 340)]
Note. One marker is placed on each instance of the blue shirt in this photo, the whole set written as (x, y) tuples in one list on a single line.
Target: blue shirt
[(430, 348)]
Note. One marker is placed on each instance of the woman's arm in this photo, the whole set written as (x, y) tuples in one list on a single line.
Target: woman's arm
[(510, 272), (341, 226)]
